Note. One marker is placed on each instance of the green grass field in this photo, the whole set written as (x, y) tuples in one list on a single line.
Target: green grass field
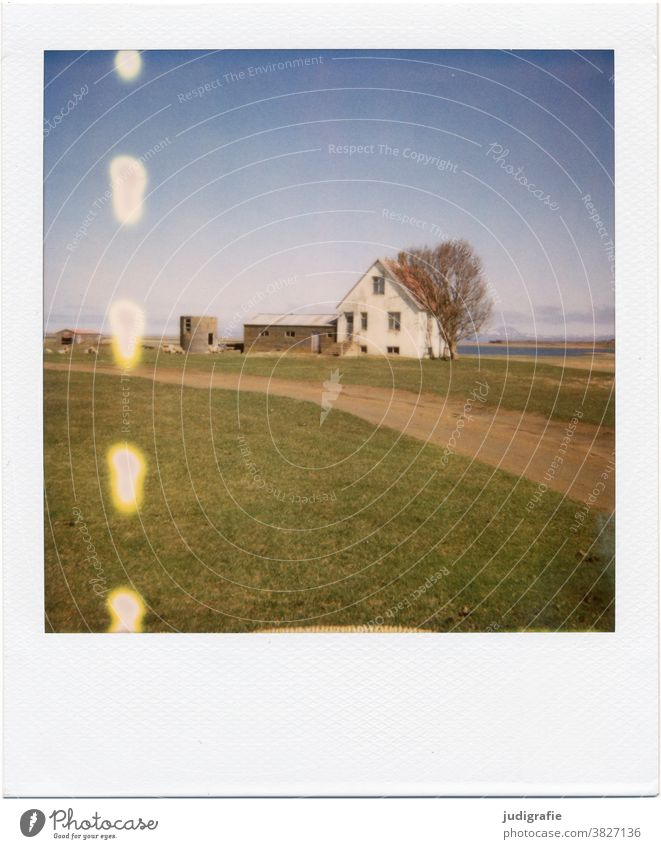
[(552, 391), (255, 517)]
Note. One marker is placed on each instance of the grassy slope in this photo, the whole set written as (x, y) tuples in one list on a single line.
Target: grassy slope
[(552, 391), (212, 550)]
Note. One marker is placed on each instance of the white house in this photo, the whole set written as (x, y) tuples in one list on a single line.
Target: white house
[(380, 316)]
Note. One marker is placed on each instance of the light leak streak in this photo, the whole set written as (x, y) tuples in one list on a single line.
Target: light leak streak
[(127, 473), (128, 64), (128, 181), (126, 610), (127, 322)]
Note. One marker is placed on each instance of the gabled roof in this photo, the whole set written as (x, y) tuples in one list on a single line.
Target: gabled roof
[(293, 319), (387, 272)]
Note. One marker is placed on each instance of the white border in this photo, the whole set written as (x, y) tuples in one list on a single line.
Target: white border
[(460, 714)]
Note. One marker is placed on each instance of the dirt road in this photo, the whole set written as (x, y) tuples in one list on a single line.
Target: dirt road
[(568, 459)]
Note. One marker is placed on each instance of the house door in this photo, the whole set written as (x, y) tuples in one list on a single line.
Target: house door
[(349, 319), (315, 343)]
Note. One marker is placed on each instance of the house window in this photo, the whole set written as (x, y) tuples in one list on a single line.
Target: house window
[(290, 333), (378, 285), (394, 320), (330, 335), (263, 333), (363, 349), (393, 349), (363, 321), (210, 338), (188, 324)]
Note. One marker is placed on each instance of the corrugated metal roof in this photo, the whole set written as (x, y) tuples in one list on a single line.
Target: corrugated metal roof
[(293, 319)]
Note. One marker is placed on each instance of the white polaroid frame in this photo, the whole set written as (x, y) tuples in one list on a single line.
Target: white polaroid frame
[(332, 714)]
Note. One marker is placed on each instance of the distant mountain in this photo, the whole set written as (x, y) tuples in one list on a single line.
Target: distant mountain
[(502, 334), (513, 334)]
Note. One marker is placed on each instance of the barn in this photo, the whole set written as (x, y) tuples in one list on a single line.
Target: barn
[(77, 336), (291, 332), (197, 333)]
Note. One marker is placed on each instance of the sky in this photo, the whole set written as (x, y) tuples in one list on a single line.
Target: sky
[(269, 181)]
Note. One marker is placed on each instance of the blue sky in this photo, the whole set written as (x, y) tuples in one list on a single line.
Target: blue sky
[(253, 205)]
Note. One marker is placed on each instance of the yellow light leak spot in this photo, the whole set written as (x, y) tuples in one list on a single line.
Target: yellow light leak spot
[(127, 322), (128, 64), (128, 181), (127, 610), (127, 470)]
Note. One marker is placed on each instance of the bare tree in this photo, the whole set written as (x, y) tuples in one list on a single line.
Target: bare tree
[(448, 281)]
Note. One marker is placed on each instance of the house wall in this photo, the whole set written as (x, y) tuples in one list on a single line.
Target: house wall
[(439, 348), (415, 335), (196, 340), (277, 340)]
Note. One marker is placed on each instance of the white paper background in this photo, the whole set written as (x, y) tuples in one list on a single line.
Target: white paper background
[(456, 714)]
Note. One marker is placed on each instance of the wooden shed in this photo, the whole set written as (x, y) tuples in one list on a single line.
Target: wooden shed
[(298, 333)]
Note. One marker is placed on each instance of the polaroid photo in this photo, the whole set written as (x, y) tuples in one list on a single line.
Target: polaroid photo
[(330, 417)]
